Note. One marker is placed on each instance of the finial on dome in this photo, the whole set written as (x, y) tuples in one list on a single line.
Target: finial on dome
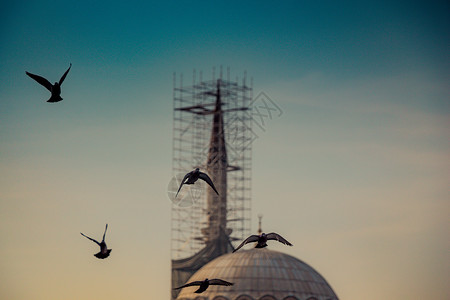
[(259, 227)]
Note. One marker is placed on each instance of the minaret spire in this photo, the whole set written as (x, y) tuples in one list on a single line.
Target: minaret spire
[(216, 168)]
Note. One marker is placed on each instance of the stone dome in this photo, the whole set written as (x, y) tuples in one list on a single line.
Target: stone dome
[(260, 274)]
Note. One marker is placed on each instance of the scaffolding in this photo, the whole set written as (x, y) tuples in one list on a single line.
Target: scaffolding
[(194, 108)]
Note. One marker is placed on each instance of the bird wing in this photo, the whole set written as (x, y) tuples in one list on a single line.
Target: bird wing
[(41, 80), (219, 282), (105, 233), (277, 237), (189, 284), (182, 182), (208, 180), (90, 239), (250, 239), (64, 75)]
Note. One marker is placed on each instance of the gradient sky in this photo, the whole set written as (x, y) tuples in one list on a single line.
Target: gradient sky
[(359, 162)]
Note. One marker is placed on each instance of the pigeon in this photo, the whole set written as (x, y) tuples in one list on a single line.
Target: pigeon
[(104, 251), (205, 284), (193, 176), (262, 240), (55, 89)]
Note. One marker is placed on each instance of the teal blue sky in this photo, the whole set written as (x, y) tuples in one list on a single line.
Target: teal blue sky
[(359, 158)]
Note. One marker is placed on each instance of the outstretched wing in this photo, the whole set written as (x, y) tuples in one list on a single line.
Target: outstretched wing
[(208, 180), (277, 237), (65, 74), (189, 284), (219, 282), (250, 239), (90, 239), (182, 182), (105, 233), (41, 80)]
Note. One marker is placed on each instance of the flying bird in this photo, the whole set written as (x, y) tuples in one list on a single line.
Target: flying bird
[(104, 251), (55, 89), (205, 284), (262, 240), (193, 176)]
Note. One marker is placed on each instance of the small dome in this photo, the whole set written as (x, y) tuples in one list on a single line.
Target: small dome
[(260, 274)]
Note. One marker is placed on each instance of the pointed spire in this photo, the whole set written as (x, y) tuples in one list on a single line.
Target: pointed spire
[(216, 167)]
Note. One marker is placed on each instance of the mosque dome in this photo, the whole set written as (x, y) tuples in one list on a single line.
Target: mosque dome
[(260, 274)]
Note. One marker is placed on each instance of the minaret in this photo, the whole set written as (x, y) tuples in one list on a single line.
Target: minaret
[(216, 167), (203, 113)]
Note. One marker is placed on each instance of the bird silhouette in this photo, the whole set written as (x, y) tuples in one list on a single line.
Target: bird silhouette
[(205, 284), (193, 176), (262, 240), (55, 89), (104, 251)]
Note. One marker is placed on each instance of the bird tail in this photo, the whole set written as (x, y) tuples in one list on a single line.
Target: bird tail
[(54, 99)]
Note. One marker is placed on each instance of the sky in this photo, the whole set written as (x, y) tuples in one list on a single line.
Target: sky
[(358, 163)]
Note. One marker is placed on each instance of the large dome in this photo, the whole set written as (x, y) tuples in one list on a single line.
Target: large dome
[(260, 274)]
